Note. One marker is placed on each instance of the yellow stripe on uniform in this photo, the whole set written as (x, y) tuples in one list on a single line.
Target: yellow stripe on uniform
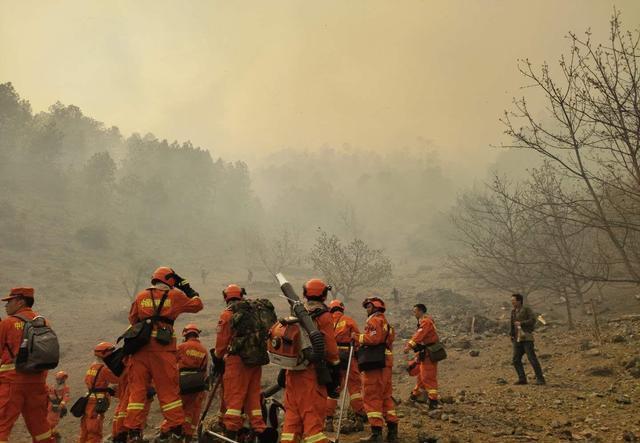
[(257, 412), (356, 396), (233, 412), (135, 407), (374, 414), (316, 437), (7, 367), (391, 412), (172, 405), (284, 437), (45, 436)]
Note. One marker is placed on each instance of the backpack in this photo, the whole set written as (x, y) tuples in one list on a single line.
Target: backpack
[(250, 323), (288, 344), (39, 349)]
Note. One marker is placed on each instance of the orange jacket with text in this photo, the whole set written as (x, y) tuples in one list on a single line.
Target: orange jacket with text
[(175, 304)]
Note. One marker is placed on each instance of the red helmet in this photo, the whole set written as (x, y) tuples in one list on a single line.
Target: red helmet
[(165, 275), (61, 375), (103, 349), (190, 329), (377, 303), (315, 288), (233, 292), (336, 305)]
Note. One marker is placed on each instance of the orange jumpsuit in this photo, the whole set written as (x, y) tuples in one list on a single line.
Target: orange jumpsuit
[(428, 377), (304, 399), (120, 413), (377, 383), (192, 355), (156, 361), (58, 396), (240, 383), (21, 393), (91, 422), (344, 327)]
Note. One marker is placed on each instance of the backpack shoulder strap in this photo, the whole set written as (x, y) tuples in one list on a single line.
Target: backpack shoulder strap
[(95, 379)]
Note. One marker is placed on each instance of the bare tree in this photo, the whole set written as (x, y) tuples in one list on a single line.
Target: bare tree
[(349, 267), (592, 136), (138, 272), (277, 252), (497, 238)]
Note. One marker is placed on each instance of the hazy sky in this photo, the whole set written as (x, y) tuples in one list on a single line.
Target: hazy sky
[(242, 77)]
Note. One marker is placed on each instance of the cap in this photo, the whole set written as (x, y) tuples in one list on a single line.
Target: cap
[(19, 292)]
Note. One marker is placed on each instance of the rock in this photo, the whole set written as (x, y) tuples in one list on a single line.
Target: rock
[(462, 344), (600, 371), (424, 437), (630, 437), (447, 399), (585, 345), (501, 381), (593, 353), (619, 339), (624, 400), (634, 372), (436, 414), (474, 353)]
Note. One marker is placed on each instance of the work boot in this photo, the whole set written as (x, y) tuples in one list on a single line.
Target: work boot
[(359, 421), (521, 382), (392, 433), (433, 404), (173, 435), (375, 437), (134, 436), (541, 381), (120, 438), (328, 424), (233, 435)]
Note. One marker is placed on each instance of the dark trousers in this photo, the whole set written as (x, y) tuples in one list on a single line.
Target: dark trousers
[(521, 348)]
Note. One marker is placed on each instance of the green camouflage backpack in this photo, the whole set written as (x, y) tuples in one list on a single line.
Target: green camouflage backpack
[(250, 324)]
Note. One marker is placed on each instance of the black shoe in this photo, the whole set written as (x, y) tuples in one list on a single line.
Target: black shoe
[(120, 438), (328, 424), (433, 404), (134, 436), (521, 382), (392, 433), (375, 437), (541, 381)]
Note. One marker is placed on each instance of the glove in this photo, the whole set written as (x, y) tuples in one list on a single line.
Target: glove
[(151, 392), (63, 411), (333, 388), (218, 366), (185, 287)]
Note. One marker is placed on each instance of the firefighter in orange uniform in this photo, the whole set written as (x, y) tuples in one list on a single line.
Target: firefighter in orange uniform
[(59, 396), (20, 393), (118, 430), (304, 398), (157, 362), (377, 383), (241, 384), (344, 328), (192, 356), (97, 379), (424, 336)]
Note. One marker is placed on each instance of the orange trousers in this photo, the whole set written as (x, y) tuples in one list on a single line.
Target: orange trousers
[(241, 392), (29, 400), (53, 417), (305, 407), (192, 404), (427, 379), (377, 387), (161, 368), (91, 424), (354, 387), (120, 413)]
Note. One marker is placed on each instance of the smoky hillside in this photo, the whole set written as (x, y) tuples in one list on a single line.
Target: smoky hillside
[(74, 189)]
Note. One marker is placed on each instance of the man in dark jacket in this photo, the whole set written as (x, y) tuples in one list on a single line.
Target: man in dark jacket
[(523, 321)]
